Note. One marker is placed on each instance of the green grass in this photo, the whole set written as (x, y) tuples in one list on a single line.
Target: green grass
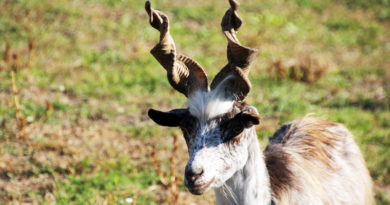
[(92, 63), (117, 177)]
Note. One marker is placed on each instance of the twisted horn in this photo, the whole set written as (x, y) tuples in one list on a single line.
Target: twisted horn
[(184, 74), (234, 76)]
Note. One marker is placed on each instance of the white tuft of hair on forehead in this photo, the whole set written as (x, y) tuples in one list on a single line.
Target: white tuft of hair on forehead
[(206, 105)]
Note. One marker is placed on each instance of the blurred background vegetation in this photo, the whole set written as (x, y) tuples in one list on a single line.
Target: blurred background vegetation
[(76, 80)]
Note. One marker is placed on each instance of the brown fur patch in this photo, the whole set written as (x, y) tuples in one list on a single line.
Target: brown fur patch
[(277, 162), (311, 138), (314, 140)]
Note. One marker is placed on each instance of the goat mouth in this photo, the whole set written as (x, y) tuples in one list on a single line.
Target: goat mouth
[(200, 189)]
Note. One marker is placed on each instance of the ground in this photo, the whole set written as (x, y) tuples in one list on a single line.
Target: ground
[(85, 79)]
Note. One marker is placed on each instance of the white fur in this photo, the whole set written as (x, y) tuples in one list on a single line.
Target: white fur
[(206, 105), (249, 185)]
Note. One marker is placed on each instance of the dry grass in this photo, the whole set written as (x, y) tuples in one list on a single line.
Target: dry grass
[(307, 69), (169, 180)]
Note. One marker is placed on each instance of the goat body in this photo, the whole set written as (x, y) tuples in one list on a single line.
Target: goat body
[(309, 161)]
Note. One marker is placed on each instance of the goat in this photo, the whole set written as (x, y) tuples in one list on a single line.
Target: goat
[(308, 161)]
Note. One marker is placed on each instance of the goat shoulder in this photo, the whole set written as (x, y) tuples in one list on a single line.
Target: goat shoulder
[(316, 161)]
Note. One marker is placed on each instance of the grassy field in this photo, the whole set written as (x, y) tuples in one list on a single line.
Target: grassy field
[(85, 79)]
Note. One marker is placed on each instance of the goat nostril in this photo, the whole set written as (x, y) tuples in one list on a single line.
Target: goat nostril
[(196, 175), (193, 174)]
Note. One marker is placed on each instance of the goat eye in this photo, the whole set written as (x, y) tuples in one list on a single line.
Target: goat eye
[(237, 130), (232, 133)]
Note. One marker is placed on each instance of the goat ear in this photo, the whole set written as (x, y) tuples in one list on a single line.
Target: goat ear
[(249, 117), (171, 118)]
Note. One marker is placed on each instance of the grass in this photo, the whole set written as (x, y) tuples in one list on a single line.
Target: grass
[(91, 79)]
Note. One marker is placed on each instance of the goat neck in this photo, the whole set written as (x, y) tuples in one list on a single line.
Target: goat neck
[(251, 184)]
